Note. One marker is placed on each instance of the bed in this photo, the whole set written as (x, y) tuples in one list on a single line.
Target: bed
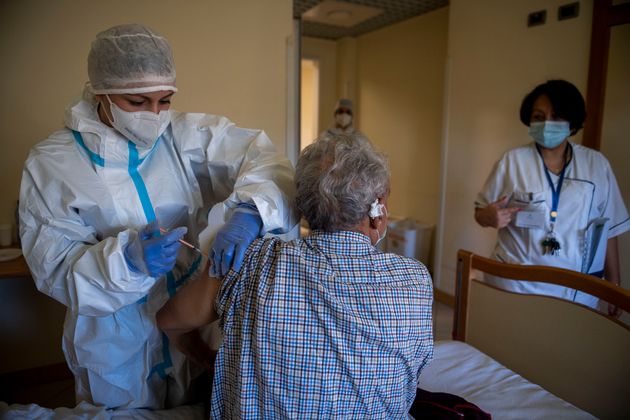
[(527, 356), (515, 356)]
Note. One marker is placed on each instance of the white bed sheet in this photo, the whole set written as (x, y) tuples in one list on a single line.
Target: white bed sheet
[(460, 369), (457, 368), (85, 411)]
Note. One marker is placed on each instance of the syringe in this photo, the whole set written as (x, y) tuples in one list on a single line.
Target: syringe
[(189, 245)]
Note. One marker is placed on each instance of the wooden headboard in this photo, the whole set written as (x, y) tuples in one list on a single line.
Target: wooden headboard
[(580, 355)]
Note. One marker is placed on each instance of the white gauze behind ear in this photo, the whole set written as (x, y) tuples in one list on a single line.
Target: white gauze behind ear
[(376, 209)]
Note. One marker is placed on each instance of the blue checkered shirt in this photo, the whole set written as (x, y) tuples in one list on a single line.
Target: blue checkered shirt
[(322, 327)]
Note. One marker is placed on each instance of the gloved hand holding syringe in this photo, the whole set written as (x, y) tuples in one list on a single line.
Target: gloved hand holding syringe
[(150, 253)]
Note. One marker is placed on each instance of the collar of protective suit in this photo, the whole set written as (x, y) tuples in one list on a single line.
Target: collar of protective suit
[(99, 138), (193, 131), (347, 130)]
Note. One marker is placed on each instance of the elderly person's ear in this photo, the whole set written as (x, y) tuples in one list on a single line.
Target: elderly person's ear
[(377, 212)]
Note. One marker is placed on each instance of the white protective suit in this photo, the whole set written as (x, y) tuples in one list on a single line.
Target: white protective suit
[(590, 211), (335, 131), (86, 190)]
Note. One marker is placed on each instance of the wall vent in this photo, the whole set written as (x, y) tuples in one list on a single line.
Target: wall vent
[(537, 18), (569, 11)]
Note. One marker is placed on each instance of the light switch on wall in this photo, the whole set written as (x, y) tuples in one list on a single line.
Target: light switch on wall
[(537, 18), (569, 11)]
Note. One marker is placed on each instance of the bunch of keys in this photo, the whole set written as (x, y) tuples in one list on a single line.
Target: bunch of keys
[(551, 246)]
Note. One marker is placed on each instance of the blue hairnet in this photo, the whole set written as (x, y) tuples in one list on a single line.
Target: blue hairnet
[(130, 59)]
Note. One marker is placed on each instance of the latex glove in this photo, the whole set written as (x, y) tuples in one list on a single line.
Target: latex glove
[(154, 254), (228, 250)]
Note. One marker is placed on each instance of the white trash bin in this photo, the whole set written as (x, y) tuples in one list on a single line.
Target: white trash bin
[(410, 238)]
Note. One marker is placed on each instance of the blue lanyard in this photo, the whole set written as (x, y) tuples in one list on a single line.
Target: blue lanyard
[(555, 192)]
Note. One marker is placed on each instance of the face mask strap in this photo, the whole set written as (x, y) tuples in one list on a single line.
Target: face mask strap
[(377, 210), (380, 237), (111, 120)]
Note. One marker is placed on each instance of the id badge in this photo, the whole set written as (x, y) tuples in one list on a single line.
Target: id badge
[(530, 219)]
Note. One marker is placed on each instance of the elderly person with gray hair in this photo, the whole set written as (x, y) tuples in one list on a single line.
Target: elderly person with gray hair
[(321, 327)]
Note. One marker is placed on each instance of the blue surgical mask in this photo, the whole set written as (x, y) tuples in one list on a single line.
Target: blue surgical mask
[(549, 134)]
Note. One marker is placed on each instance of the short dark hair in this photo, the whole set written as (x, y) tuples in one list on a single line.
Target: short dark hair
[(566, 100)]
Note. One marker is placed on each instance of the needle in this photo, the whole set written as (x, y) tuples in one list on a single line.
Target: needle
[(189, 245)]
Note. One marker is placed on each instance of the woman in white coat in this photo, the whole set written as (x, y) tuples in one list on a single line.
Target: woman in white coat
[(554, 202), (98, 197)]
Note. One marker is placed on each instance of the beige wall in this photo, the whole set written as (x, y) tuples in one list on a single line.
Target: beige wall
[(337, 74), (400, 76), (325, 52), (309, 102), (494, 60), (616, 126), (230, 57), (347, 63), (395, 78)]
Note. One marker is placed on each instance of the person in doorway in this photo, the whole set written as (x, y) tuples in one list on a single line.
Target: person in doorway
[(343, 123), (554, 202), (105, 201), (325, 326)]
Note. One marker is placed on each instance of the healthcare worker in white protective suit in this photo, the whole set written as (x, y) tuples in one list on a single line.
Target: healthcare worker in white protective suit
[(554, 202), (343, 120), (95, 195)]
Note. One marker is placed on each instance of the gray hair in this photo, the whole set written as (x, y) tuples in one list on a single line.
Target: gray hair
[(337, 178)]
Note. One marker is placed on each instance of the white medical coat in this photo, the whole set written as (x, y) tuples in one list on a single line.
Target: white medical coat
[(589, 199), (85, 193)]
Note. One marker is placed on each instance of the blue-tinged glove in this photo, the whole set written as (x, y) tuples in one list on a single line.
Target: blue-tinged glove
[(151, 253), (228, 250)]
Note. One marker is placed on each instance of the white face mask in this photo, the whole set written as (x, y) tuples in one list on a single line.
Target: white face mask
[(141, 127), (343, 120)]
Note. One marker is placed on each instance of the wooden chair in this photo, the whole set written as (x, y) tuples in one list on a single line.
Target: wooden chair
[(575, 352)]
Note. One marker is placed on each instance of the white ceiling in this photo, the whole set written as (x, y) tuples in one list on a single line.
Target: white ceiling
[(335, 19), (340, 13)]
